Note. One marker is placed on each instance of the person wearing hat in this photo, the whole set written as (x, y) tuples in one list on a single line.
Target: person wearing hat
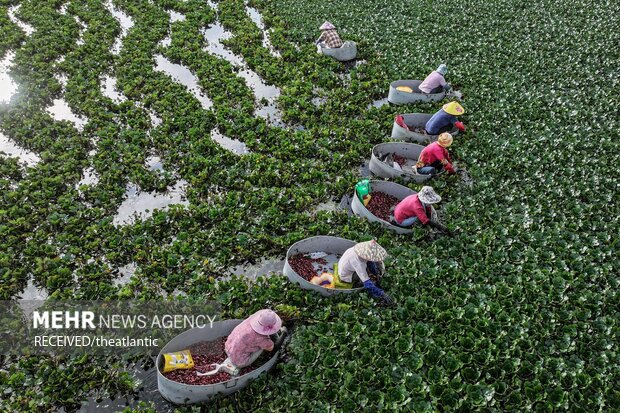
[(417, 208), (248, 340), (435, 82), (445, 119), (361, 259), (329, 37), (435, 157)]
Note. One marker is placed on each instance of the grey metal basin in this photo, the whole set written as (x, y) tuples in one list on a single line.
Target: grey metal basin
[(325, 243), (409, 151), (415, 121), (399, 97), (179, 393), (343, 54), (390, 188)]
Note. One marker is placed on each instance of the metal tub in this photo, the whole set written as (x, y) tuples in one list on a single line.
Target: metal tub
[(180, 393), (401, 98), (390, 188), (347, 52), (418, 121), (410, 151), (328, 244)]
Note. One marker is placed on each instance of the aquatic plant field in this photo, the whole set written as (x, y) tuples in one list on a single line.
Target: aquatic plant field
[(152, 149)]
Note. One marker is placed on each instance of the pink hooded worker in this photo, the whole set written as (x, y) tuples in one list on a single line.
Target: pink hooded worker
[(248, 340), (436, 82)]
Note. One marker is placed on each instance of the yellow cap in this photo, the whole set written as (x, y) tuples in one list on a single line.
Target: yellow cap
[(453, 108), (444, 140), (404, 89)]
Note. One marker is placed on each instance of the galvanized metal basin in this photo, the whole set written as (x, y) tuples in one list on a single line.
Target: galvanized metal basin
[(325, 243), (390, 188), (399, 97), (416, 121), (347, 52), (409, 151), (179, 393)]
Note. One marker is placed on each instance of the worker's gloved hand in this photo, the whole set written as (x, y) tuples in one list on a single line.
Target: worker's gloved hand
[(447, 86), (437, 225), (460, 126), (373, 290), (387, 300), (450, 168)]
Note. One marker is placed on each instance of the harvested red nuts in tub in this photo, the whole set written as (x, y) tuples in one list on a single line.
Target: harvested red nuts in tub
[(400, 160), (205, 354), (381, 204), (304, 266)]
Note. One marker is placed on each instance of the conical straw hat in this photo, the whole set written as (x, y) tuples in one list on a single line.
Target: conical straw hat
[(370, 251), (453, 108)]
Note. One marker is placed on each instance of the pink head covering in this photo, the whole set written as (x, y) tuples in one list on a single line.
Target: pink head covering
[(327, 26), (265, 322)]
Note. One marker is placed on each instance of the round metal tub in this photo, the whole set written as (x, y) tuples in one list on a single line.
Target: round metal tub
[(347, 52), (410, 151), (399, 97), (390, 188), (180, 393), (328, 244), (415, 121)]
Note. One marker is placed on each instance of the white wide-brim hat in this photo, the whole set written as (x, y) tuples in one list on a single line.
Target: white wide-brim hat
[(428, 195)]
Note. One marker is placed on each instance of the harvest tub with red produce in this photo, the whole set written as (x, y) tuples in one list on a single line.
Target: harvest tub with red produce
[(333, 246), (400, 192), (180, 393), (407, 153), (416, 122)]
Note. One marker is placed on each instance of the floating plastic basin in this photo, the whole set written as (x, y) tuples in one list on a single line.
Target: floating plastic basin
[(415, 121), (324, 243), (399, 97), (180, 393), (390, 188)]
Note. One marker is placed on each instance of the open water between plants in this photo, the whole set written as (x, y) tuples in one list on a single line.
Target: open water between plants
[(12, 12), (13, 150), (126, 23)]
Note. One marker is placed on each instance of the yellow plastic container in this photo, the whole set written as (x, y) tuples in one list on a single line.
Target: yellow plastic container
[(179, 360), (337, 282), (405, 89)]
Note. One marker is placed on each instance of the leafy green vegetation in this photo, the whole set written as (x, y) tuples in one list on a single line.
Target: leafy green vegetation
[(517, 312)]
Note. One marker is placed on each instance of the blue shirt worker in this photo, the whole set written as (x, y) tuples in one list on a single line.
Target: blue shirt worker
[(445, 119)]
